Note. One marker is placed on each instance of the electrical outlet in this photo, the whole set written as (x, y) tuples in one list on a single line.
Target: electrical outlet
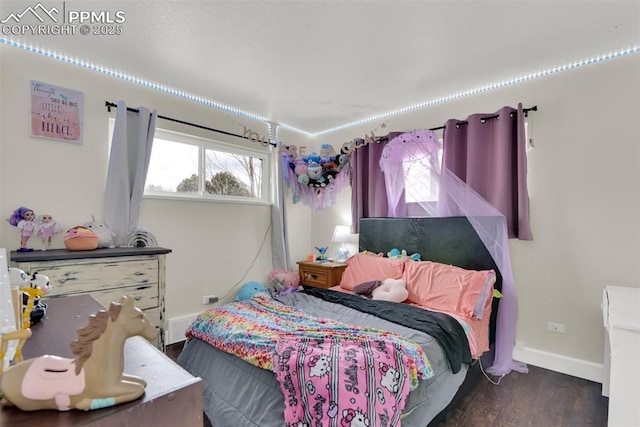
[(209, 299), (556, 327)]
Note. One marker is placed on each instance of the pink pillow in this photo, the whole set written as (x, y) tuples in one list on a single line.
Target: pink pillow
[(449, 288), (364, 268)]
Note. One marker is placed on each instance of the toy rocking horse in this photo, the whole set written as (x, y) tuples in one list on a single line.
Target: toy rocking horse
[(94, 379)]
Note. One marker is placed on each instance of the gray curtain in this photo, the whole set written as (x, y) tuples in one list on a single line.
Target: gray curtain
[(489, 154), (368, 192), (128, 165), (281, 256)]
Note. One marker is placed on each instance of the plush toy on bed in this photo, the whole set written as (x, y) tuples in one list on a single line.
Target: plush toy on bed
[(402, 254), (282, 282), (250, 290), (391, 290)]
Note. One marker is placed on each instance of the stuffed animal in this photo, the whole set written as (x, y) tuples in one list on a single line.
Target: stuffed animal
[(398, 254), (104, 233), (282, 282), (250, 290), (80, 238), (391, 290), (33, 287), (322, 251)]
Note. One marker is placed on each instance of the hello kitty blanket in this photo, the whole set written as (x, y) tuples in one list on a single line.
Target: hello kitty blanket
[(342, 382), (349, 372)]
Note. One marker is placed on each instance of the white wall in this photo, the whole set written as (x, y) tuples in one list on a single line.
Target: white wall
[(584, 179), (213, 244), (298, 215), (584, 184)]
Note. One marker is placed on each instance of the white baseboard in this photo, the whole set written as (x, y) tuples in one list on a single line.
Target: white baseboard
[(559, 363), (177, 326)]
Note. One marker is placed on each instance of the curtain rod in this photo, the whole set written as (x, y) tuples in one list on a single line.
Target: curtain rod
[(110, 105), (495, 116)]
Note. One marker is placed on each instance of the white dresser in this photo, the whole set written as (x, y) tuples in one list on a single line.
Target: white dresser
[(621, 377), (105, 274)]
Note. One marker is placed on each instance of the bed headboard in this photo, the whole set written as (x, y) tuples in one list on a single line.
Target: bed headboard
[(445, 240)]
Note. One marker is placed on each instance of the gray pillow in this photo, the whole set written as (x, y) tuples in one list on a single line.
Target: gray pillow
[(365, 289)]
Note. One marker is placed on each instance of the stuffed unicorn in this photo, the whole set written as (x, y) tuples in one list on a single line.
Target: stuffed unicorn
[(104, 233)]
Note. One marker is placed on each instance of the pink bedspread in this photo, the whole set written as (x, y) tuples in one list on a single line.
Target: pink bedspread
[(342, 382)]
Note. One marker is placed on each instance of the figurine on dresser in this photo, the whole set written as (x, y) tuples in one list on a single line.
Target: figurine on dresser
[(46, 228), (24, 219)]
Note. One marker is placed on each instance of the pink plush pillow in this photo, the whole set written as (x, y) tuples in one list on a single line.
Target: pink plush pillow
[(364, 268), (449, 288)]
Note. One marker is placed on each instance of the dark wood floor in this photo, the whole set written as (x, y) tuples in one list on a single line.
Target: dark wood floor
[(540, 398)]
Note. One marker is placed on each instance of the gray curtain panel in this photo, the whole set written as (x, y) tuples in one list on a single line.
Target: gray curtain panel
[(280, 252), (128, 165)]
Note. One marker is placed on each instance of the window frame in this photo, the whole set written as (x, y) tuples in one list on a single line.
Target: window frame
[(204, 144)]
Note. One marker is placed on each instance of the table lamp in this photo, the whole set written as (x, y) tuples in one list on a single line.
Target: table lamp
[(342, 235)]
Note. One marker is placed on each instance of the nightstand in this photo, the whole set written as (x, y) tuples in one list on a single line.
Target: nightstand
[(320, 274)]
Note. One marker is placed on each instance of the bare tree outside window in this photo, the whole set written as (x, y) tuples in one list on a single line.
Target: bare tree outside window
[(182, 165), (245, 170)]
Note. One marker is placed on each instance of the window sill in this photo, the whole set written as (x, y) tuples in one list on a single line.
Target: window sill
[(208, 199)]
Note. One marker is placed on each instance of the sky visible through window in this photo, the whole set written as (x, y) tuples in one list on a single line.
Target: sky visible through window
[(171, 162)]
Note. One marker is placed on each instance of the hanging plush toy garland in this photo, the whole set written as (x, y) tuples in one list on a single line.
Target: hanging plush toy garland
[(315, 179)]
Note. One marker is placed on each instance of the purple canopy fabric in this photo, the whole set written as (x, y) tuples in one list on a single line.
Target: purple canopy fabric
[(420, 149), (402, 153)]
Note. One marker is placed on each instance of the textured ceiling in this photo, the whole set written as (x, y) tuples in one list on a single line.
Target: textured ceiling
[(315, 65)]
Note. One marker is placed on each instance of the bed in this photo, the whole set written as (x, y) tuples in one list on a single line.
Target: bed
[(239, 393)]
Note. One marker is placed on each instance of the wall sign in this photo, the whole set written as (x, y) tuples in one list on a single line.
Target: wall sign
[(56, 112)]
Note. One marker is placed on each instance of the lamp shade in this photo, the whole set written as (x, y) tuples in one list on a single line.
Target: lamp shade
[(342, 234)]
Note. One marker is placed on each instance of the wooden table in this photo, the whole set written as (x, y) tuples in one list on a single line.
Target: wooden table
[(173, 397)]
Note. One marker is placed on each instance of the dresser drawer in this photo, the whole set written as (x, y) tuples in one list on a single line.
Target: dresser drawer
[(72, 278), (145, 296)]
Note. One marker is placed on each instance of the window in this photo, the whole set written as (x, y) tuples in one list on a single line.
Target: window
[(186, 166), (422, 178)]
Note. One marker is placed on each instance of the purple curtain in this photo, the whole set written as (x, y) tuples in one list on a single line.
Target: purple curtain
[(368, 192), (489, 155)]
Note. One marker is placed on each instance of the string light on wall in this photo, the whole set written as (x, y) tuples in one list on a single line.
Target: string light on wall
[(385, 115), (136, 80), (482, 89)]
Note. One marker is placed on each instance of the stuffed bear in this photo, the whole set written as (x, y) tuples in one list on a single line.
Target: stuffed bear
[(282, 282), (391, 290)]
